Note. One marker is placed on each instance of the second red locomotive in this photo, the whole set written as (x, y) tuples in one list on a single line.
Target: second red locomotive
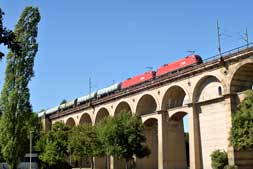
[(179, 64)]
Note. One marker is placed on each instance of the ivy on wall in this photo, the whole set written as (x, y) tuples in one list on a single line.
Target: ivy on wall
[(241, 135)]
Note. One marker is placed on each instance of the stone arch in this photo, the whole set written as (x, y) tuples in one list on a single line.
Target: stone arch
[(85, 119), (208, 87), (122, 107), (101, 114), (151, 133), (175, 96), (146, 105), (70, 122), (242, 78)]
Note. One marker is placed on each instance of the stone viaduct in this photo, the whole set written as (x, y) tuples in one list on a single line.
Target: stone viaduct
[(208, 93)]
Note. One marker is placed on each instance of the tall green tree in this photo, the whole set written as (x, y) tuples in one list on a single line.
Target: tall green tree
[(84, 143), (124, 137), (53, 146), (241, 135), (15, 97)]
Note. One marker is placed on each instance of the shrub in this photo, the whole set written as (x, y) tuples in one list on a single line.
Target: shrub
[(219, 159)]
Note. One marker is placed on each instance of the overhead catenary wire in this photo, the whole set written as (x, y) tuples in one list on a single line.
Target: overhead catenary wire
[(219, 38)]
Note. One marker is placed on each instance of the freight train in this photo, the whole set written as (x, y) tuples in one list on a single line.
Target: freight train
[(169, 68)]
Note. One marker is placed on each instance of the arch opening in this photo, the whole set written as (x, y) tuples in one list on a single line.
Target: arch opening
[(70, 122), (178, 141), (151, 133), (102, 162), (242, 79), (101, 114), (146, 105), (122, 107), (174, 97), (85, 119), (219, 91)]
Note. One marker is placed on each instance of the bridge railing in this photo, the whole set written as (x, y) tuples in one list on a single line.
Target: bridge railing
[(232, 51)]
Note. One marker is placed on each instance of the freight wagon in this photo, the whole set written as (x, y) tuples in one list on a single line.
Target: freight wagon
[(86, 98), (108, 90), (66, 105)]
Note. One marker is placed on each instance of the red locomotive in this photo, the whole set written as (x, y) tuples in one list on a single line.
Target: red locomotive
[(138, 79), (170, 67), (179, 64)]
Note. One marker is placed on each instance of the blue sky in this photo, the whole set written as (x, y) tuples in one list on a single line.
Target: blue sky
[(115, 39)]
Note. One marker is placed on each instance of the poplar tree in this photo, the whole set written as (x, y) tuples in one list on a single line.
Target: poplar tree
[(15, 97)]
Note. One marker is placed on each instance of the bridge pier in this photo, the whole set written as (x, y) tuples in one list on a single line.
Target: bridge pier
[(162, 140), (229, 103), (194, 140), (46, 123)]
